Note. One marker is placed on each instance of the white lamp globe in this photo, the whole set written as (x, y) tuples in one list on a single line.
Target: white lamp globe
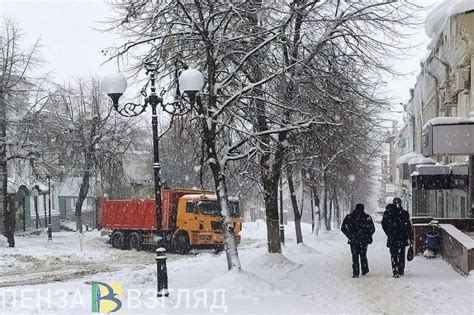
[(114, 83), (191, 80)]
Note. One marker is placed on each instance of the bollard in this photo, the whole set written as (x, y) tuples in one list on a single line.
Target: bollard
[(161, 272), (282, 234), (50, 232)]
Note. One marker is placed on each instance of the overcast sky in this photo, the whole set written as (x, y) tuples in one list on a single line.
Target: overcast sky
[(71, 47)]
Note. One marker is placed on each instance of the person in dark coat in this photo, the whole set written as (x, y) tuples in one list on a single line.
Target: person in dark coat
[(9, 223), (396, 224), (359, 228)]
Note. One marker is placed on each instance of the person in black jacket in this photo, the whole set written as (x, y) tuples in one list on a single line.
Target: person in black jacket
[(396, 224), (359, 228), (9, 222)]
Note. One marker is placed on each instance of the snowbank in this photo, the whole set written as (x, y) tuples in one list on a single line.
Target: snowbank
[(269, 283), (301, 249), (240, 283), (254, 230), (272, 261)]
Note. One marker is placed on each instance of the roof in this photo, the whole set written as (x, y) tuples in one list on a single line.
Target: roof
[(206, 196), (406, 157), (449, 121), (413, 158), (437, 18)]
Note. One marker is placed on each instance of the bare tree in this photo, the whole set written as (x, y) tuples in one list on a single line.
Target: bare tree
[(86, 139), (15, 65)]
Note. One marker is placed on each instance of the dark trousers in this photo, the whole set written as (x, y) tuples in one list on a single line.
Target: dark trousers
[(9, 232), (359, 251), (398, 259)]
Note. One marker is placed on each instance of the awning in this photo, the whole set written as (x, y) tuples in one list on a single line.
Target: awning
[(406, 157), (413, 158), (434, 177)]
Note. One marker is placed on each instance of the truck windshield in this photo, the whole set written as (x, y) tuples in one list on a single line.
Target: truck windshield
[(213, 208), (208, 207)]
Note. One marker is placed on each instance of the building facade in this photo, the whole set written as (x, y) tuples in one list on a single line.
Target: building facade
[(438, 183)]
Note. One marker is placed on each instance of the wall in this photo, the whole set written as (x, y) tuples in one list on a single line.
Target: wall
[(457, 248)]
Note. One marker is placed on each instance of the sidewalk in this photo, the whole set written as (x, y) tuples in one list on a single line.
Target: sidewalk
[(314, 277)]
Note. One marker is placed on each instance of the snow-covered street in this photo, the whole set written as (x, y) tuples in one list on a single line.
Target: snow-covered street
[(152, 152), (310, 278)]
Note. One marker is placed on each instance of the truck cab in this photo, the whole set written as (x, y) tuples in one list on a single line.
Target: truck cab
[(199, 220)]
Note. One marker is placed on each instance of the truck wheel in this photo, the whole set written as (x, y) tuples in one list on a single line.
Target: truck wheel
[(117, 240), (218, 249), (181, 244), (134, 241)]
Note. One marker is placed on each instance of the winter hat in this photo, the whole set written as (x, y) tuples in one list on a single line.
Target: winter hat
[(359, 207), (397, 202)]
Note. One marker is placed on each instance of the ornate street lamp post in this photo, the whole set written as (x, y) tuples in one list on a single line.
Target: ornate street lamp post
[(190, 83)]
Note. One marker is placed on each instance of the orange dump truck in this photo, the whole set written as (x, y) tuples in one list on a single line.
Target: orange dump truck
[(190, 219)]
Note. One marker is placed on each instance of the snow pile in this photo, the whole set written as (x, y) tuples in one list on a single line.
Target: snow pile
[(268, 284), (449, 120), (301, 249), (421, 160), (272, 261), (406, 157), (429, 253), (438, 17), (254, 230), (139, 278), (241, 283), (6, 263)]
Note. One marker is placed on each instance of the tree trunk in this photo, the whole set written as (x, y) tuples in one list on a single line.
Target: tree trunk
[(294, 203), (270, 186), (317, 206), (337, 208), (209, 138), (312, 211), (83, 190), (3, 160), (327, 221), (233, 261), (270, 170), (330, 209)]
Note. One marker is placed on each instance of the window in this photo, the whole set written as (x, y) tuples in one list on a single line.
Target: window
[(190, 206), (234, 209), (425, 140), (463, 207), (208, 207)]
